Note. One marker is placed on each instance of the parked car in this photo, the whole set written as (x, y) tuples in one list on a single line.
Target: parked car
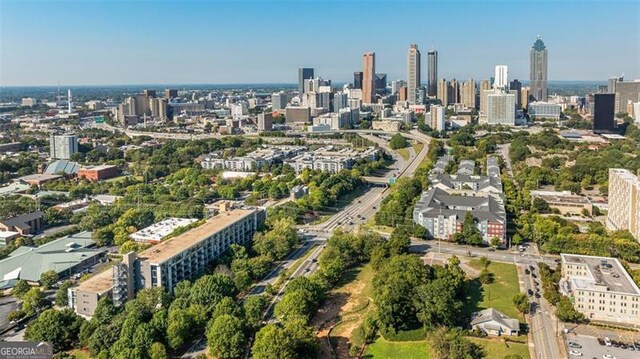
[(530, 292), (607, 341), (601, 341), (527, 272), (608, 356), (575, 345), (575, 353)]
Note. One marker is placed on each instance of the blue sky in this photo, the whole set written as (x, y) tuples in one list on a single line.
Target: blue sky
[(133, 42)]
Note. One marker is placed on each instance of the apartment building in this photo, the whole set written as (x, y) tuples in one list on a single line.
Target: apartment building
[(441, 209), (327, 159), (600, 288), (169, 262), (624, 202), (252, 161)]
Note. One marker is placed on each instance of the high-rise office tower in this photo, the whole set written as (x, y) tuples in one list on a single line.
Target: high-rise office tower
[(611, 84), (437, 113), (501, 108), (603, 112), (624, 202), (265, 121), (63, 146), (453, 92), (443, 92), (380, 82), (524, 96), (170, 93), (501, 81), (432, 80), (150, 93), (468, 93), (357, 80), (368, 74), (516, 86), (395, 86), (279, 101), (538, 70), (485, 85), (303, 74), (413, 72)]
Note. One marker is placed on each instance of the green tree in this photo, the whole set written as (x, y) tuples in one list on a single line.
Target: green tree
[(273, 342), (395, 288), (62, 296), (48, 278), (60, 328), (253, 306), (208, 290), (21, 288), (33, 301), (179, 328), (470, 233), (225, 337), (157, 351), (449, 343), (521, 301), (398, 141)]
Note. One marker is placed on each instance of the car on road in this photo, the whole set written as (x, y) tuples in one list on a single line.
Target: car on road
[(575, 353), (575, 345), (607, 341), (608, 356)]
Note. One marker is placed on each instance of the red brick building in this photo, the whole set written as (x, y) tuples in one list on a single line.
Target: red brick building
[(98, 173)]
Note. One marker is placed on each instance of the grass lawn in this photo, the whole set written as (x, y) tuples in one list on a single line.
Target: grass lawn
[(404, 152), (499, 294), (417, 147), (383, 349), (371, 224), (495, 348), (359, 289)]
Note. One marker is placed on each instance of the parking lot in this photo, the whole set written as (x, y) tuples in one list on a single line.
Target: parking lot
[(592, 349)]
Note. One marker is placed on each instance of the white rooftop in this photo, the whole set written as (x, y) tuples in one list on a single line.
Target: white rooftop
[(157, 231)]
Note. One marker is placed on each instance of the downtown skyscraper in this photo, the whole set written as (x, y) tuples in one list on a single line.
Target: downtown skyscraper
[(413, 72), (303, 74), (432, 80), (538, 71), (368, 77)]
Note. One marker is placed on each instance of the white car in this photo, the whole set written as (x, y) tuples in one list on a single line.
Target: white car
[(607, 342), (608, 356), (575, 353)]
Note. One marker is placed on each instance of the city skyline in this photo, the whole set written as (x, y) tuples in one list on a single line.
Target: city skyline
[(167, 43)]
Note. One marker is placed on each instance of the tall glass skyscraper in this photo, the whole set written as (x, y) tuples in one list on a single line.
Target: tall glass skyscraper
[(413, 72), (432, 81), (538, 71), (303, 74)]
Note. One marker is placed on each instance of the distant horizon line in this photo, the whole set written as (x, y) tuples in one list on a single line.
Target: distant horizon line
[(246, 83)]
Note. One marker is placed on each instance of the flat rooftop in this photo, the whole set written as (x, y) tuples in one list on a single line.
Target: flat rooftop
[(174, 246), (157, 231), (99, 283), (560, 197), (603, 272)]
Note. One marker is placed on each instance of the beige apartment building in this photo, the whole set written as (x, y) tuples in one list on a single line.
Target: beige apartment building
[(600, 288), (624, 202), (169, 262)]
